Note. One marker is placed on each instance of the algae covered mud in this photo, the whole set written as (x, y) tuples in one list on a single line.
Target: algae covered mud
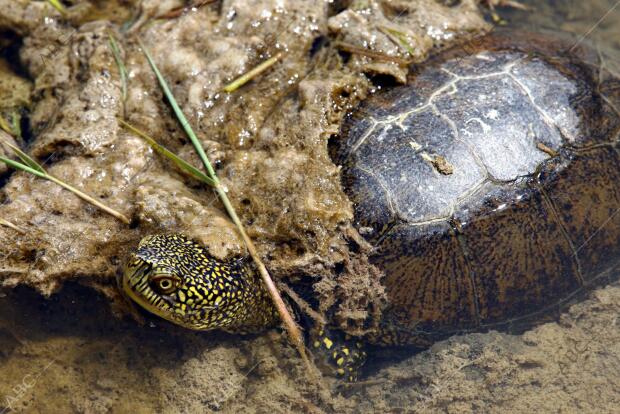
[(77, 351)]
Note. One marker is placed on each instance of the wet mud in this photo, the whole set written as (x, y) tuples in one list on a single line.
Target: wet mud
[(70, 343)]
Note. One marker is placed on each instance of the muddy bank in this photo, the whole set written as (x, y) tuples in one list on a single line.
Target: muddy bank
[(269, 141)]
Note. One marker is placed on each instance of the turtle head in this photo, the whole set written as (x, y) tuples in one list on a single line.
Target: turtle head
[(174, 277)]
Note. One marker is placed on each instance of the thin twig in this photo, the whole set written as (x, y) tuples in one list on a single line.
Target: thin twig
[(88, 198), (11, 225), (119, 62), (28, 164), (303, 305), (251, 74), (12, 270), (293, 330), (82, 195), (347, 47), (591, 29)]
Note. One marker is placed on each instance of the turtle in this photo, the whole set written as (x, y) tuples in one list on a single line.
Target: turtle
[(488, 187)]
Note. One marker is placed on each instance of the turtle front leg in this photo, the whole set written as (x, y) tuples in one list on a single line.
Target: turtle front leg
[(337, 354)]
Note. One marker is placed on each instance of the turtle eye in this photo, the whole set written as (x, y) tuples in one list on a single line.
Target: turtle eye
[(165, 284)]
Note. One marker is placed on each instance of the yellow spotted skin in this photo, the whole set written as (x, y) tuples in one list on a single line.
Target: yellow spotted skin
[(339, 353), (176, 278)]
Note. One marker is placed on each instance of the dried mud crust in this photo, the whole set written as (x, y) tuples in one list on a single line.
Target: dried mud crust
[(268, 140)]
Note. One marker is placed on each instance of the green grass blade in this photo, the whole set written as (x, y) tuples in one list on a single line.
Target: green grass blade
[(15, 124), (290, 324), (58, 6), (180, 162), (23, 167), (180, 116), (82, 195), (399, 38), (4, 125), (26, 158), (121, 65)]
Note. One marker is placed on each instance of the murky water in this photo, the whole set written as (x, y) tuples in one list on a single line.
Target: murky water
[(596, 21), (70, 353)]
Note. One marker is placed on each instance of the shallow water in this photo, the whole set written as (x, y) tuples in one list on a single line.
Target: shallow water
[(70, 353)]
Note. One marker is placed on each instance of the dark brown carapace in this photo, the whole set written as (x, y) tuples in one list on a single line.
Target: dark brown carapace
[(526, 217)]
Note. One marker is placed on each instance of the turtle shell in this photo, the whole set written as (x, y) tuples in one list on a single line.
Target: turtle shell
[(489, 185)]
